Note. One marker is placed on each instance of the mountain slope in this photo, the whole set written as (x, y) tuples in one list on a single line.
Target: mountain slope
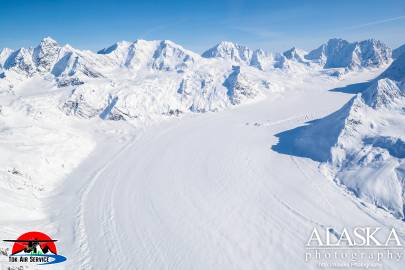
[(362, 144), (396, 71), (339, 53), (398, 51)]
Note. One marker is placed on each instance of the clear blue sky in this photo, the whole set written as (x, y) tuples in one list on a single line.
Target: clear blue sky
[(198, 25)]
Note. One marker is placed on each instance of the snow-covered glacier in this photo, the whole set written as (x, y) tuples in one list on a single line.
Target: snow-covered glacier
[(146, 155)]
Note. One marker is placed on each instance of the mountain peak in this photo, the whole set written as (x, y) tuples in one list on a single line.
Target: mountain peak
[(230, 51), (115, 46), (340, 53), (125, 45), (228, 44), (4, 54), (46, 53), (382, 93), (294, 54), (48, 40), (168, 42), (337, 40)]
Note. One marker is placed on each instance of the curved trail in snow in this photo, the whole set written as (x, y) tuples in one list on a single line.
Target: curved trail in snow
[(207, 192)]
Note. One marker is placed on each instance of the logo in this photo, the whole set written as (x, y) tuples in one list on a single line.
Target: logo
[(34, 247), (359, 247)]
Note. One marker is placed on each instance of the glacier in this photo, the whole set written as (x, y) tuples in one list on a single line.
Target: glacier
[(146, 155)]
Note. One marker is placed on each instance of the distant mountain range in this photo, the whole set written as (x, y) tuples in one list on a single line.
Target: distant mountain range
[(165, 55), (161, 77)]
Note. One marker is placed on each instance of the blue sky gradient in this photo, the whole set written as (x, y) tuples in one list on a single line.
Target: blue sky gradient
[(198, 25)]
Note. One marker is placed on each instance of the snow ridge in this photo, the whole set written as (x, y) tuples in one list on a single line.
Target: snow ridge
[(230, 51), (362, 144), (339, 53)]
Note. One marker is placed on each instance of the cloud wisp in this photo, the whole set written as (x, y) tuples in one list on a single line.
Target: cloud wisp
[(387, 20)]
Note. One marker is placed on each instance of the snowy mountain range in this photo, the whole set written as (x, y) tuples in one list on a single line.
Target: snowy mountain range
[(165, 55), (133, 73), (339, 53)]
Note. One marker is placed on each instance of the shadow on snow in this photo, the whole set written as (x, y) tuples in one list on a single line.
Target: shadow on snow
[(353, 88), (315, 139)]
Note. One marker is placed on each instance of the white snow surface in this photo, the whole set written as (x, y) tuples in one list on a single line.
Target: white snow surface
[(165, 187)]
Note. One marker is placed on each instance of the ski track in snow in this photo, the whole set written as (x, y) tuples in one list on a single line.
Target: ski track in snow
[(207, 192)]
